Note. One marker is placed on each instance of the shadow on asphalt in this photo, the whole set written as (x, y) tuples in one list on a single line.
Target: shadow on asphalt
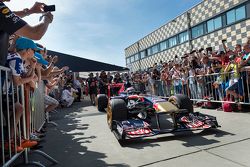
[(62, 142), (190, 139)]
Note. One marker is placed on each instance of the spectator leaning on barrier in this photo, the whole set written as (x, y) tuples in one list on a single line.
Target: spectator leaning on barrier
[(25, 51), (11, 23), (50, 102)]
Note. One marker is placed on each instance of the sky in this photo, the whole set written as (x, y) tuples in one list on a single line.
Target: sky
[(101, 29)]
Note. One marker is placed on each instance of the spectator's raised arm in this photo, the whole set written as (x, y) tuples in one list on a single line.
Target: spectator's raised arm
[(36, 32)]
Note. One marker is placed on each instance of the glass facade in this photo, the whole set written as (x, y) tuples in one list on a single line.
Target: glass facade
[(149, 51), (240, 13), (183, 37), (142, 54), (197, 31), (128, 60), (214, 24), (163, 45), (230, 16), (155, 49), (136, 57), (132, 59), (172, 41), (236, 14)]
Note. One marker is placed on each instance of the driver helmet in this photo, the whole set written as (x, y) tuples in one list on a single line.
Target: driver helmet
[(130, 89)]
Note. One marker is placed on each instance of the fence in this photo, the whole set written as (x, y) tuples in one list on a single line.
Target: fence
[(21, 114), (220, 87), (229, 87)]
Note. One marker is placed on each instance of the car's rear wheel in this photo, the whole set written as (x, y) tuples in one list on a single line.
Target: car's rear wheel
[(117, 111), (102, 102), (182, 102)]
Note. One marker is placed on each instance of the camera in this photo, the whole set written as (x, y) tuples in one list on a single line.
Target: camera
[(209, 49), (223, 40), (192, 51), (49, 8), (232, 57), (200, 50)]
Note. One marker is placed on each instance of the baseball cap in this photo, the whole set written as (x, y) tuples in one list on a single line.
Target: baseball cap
[(40, 59), (25, 43)]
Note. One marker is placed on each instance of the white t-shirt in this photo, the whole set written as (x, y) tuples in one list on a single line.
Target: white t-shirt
[(77, 83), (66, 94), (15, 63), (191, 76)]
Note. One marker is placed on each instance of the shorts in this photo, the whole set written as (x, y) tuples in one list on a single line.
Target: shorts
[(50, 100), (93, 90), (234, 86), (237, 86)]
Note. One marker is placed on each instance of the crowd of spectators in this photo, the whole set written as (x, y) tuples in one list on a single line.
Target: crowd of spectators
[(200, 74), (203, 73), (30, 66)]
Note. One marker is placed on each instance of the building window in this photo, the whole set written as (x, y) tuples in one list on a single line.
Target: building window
[(236, 14), (136, 57), (149, 51), (143, 54), (217, 22), (163, 45), (128, 60), (183, 37), (155, 49), (172, 41), (240, 13), (132, 59), (214, 24), (197, 31)]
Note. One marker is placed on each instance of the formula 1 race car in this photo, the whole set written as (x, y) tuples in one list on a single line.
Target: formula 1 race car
[(135, 116)]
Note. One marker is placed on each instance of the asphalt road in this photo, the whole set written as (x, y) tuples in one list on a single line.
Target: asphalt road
[(82, 138)]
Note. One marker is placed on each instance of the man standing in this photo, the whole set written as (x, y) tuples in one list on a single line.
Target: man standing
[(92, 87), (11, 23), (78, 87)]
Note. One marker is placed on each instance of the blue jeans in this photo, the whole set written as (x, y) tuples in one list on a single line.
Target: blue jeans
[(177, 89), (159, 90)]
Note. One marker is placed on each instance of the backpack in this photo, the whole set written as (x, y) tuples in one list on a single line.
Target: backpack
[(227, 107), (208, 104)]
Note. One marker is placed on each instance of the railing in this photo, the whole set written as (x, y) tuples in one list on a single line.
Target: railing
[(211, 87), (10, 111), (229, 87), (21, 114)]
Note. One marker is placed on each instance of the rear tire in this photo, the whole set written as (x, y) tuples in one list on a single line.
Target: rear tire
[(117, 112), (182, 102), (102, 102)]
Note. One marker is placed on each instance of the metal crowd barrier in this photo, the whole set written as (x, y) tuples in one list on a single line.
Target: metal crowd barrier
[(209, 87), (220, 87), (13, 130)]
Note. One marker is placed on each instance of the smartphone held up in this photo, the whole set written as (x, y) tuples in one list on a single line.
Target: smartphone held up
[(49, 8)]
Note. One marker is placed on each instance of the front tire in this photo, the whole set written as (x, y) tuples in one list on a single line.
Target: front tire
[(117, 111)]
